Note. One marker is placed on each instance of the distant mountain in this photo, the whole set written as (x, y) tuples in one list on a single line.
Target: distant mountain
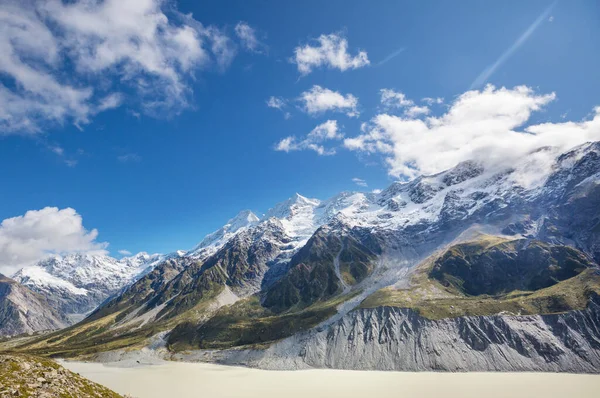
[(76, 284), (497, 266), (23, 311)]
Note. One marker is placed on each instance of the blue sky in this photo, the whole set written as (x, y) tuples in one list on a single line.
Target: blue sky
[(159, 180)]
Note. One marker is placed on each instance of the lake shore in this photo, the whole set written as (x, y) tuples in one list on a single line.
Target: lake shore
[(183, 380)]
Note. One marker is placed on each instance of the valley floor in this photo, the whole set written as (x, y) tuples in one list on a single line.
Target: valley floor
[(179, 379)]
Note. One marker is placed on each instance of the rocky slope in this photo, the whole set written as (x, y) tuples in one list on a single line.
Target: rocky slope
[(27, 376), (367, 266), (388, 338), (23, 311)]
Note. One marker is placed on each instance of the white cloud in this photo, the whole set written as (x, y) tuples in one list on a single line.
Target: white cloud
[(431, 101), (276, 102), (111, 101), (394, 99), (280, 104), (68, 159), (415, 111), (391, 99), (60, 59), (318, 100), (39, 233), (57, 150), (328, 131), (489, 126), (125, 252), (247, 36), (329, 51), (360, 182)]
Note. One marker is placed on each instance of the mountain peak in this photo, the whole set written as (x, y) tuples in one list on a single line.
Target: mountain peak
[(289, 207), (215, 240), (242, 219)]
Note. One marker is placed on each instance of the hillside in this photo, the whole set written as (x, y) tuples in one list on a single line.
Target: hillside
[(493, 275), (28, 376)]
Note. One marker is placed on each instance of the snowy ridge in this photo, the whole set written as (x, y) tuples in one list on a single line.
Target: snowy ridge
[(76, 284), (215, 240), (454, 194)]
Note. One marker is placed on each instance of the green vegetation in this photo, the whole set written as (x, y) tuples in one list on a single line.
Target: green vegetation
[(443, 290), (109, 333), (477, 268)]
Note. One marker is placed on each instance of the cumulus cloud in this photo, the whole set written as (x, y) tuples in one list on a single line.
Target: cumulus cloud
[(62, 60), (489, 126), (125, 252), (38, 233), (318, 100), (328, 131), (360, 182), (247, 36), (329, 51)]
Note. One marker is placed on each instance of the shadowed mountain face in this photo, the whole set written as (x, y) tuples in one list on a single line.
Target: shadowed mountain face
[(463, 243), (23, 311), (508, 266), (327, 265)]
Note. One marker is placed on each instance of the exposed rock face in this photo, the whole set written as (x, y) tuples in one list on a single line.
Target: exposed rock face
[(329, 264), (23, 311), (387, 338)]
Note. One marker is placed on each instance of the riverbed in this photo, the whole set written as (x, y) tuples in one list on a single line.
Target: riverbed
[(187, 380)]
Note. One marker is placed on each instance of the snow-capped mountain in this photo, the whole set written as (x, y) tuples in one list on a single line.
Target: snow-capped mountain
[(314, 279), (76, 284), (215, 240)]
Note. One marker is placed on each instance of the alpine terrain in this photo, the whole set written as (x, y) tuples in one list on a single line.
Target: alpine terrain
[(474, 268), (76, 284)]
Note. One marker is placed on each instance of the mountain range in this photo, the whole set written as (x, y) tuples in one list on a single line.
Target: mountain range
[(474, 268)]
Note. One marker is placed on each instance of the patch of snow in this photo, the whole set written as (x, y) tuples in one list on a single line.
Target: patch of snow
[(38, 276)]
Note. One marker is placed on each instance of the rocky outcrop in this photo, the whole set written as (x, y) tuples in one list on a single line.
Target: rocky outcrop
[(388, 338), (23, 311)]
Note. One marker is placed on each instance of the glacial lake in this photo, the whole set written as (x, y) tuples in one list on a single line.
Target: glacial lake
[(187, 380)]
